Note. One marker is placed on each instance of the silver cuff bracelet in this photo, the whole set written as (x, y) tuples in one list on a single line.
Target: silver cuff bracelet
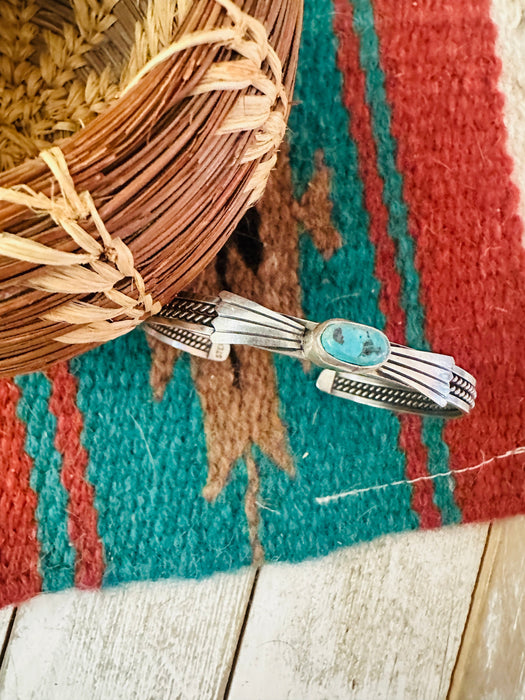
[(358, 362)]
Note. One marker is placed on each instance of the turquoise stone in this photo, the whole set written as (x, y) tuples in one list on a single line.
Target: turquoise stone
[(355, 344)]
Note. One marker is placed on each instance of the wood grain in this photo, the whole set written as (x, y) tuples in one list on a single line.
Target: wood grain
[(509, 17), (5, 618), (166, 640), (5, 615), (383, 620), (491, 663)]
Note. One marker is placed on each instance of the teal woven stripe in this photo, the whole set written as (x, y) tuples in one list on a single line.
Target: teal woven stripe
[(57, 555), (344, 286), (438, 460), (438, 453), (392, 179), (338, 445), (148, 467)]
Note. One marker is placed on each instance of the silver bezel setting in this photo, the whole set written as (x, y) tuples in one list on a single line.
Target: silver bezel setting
[(314, 351)]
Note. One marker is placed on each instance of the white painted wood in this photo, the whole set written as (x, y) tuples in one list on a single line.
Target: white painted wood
[(509, 17), (491, 663), (383, 620), (5, 616), (160, 641)]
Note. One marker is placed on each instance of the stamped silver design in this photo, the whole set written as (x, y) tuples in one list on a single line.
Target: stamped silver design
[(358, 362)]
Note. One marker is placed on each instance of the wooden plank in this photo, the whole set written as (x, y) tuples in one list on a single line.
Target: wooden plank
[(491, 663), (5, 618), (171, 639), (509, 17), (383, 620)]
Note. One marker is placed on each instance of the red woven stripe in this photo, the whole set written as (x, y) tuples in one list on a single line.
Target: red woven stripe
[(416, 467), (385, 269), (442, 75), (82, 513), (19, 578)]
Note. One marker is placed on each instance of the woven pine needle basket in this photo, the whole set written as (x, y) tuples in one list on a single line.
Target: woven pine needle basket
[(134, 134)]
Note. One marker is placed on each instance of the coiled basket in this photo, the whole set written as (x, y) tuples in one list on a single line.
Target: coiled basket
[(134, 135)]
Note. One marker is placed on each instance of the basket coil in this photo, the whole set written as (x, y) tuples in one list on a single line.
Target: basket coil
[(103, 227)]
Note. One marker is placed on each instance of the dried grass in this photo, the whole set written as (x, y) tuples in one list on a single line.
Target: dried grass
[(165, 119)]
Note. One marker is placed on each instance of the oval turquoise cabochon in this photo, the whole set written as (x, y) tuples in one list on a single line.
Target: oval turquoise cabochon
[(354, 343)]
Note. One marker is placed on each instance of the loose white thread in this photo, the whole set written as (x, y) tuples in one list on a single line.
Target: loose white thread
[(323, 500)]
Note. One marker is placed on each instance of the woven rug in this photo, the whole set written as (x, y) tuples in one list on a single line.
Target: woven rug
[(395, 204)]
